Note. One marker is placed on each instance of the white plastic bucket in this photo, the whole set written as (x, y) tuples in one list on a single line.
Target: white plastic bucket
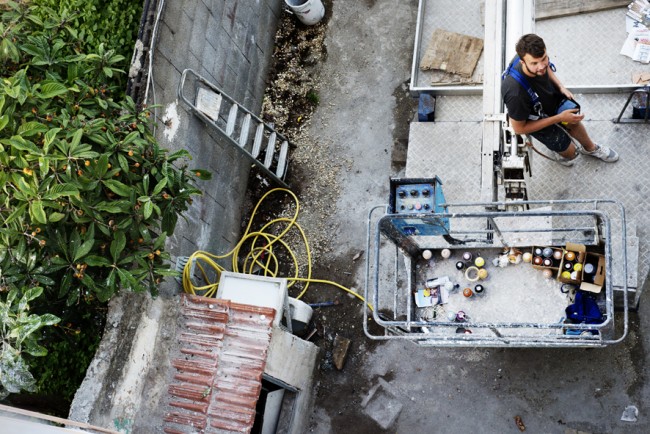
[(308, 12)]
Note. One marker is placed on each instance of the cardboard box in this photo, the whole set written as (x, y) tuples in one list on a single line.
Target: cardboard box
[(580, 252), (555, 263), (593, 282)]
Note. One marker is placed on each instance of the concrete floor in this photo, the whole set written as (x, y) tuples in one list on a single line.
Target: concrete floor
[(427, 389)]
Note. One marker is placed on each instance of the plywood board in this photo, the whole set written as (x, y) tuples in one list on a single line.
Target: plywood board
[(559, 8), (452, 52)]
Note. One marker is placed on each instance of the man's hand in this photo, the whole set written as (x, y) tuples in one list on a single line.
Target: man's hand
[(570, 116)]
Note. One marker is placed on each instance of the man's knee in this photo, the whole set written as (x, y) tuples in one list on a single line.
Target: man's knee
[(570, 151)]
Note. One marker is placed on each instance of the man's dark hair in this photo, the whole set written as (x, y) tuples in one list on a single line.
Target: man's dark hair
[(530, 44)]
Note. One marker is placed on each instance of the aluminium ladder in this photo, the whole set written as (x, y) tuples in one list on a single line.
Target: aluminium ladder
[(247, 133)]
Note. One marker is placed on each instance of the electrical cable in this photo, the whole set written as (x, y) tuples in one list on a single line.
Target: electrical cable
[(161, 5), (260, 256)]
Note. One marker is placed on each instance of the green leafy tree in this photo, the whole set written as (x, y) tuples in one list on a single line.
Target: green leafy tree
[(19, 335), (94, 24), (87, 197)]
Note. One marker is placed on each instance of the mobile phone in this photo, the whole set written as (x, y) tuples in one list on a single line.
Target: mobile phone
[(568, 104)]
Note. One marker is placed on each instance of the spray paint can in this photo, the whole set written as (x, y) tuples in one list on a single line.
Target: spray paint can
[(432, 283)]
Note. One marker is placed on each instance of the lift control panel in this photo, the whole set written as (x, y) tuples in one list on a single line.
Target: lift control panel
[(414, 198), (413, 205), (415, 195)]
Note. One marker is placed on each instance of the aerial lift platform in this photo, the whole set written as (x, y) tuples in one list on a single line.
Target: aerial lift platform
[(494, 208)]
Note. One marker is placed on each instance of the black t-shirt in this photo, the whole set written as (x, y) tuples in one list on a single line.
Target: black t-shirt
[(519, 103)]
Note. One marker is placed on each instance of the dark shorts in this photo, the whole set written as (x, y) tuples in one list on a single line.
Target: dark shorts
[(553, 137)]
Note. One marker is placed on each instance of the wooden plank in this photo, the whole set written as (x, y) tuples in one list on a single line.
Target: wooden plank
[(452, 52), (560, 8)]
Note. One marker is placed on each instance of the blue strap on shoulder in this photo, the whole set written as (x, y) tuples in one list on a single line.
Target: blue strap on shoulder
[(521, 80)]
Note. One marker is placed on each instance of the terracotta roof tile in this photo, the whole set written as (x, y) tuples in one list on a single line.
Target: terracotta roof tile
[(218, 378)]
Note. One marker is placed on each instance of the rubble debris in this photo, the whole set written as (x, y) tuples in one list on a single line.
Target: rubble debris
[(340, 351), (520, 423)]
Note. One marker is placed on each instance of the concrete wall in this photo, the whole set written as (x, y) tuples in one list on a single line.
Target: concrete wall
[(293, 361), (230, 42)]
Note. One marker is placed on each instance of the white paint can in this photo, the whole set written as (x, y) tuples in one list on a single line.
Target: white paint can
[(308, 12)]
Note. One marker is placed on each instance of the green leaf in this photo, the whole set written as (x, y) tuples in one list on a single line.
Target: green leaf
[(49, 137), (50, 90), (117, 187), (33, 348), (83, 250), (37, 212), (56, 217), (45, 280), (44, 166), (109, 207), (18, 212), (73, 69), (9, 51), (97, 261), (76, 139), (104, 293), (21, 144), (124, 164), (159, 187), (145, 183), (4, 120), (30, 295), (60, 190), (89, 155), (31, 128), (65, 284), (169, 220), (12, 296), (26, 188), (147, 209), (179, 154), (130, 137), (73, 297), (102, 165), (203, 175), (127, 280), (117, 245), (160, 241), (110, 280)]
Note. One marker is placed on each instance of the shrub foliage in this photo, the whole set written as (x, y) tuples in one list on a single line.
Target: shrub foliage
[(87, 197)]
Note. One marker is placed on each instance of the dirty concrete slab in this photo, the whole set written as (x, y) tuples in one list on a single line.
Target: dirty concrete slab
[(381, 404)]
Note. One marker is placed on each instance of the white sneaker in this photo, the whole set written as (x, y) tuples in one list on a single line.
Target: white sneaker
[(568, 162), (602, 152)]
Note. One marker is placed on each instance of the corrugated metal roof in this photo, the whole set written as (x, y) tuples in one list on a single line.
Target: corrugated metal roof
[(218, 379)]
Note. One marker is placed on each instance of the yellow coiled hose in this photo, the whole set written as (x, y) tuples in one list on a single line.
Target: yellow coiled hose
[(259, 256)]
